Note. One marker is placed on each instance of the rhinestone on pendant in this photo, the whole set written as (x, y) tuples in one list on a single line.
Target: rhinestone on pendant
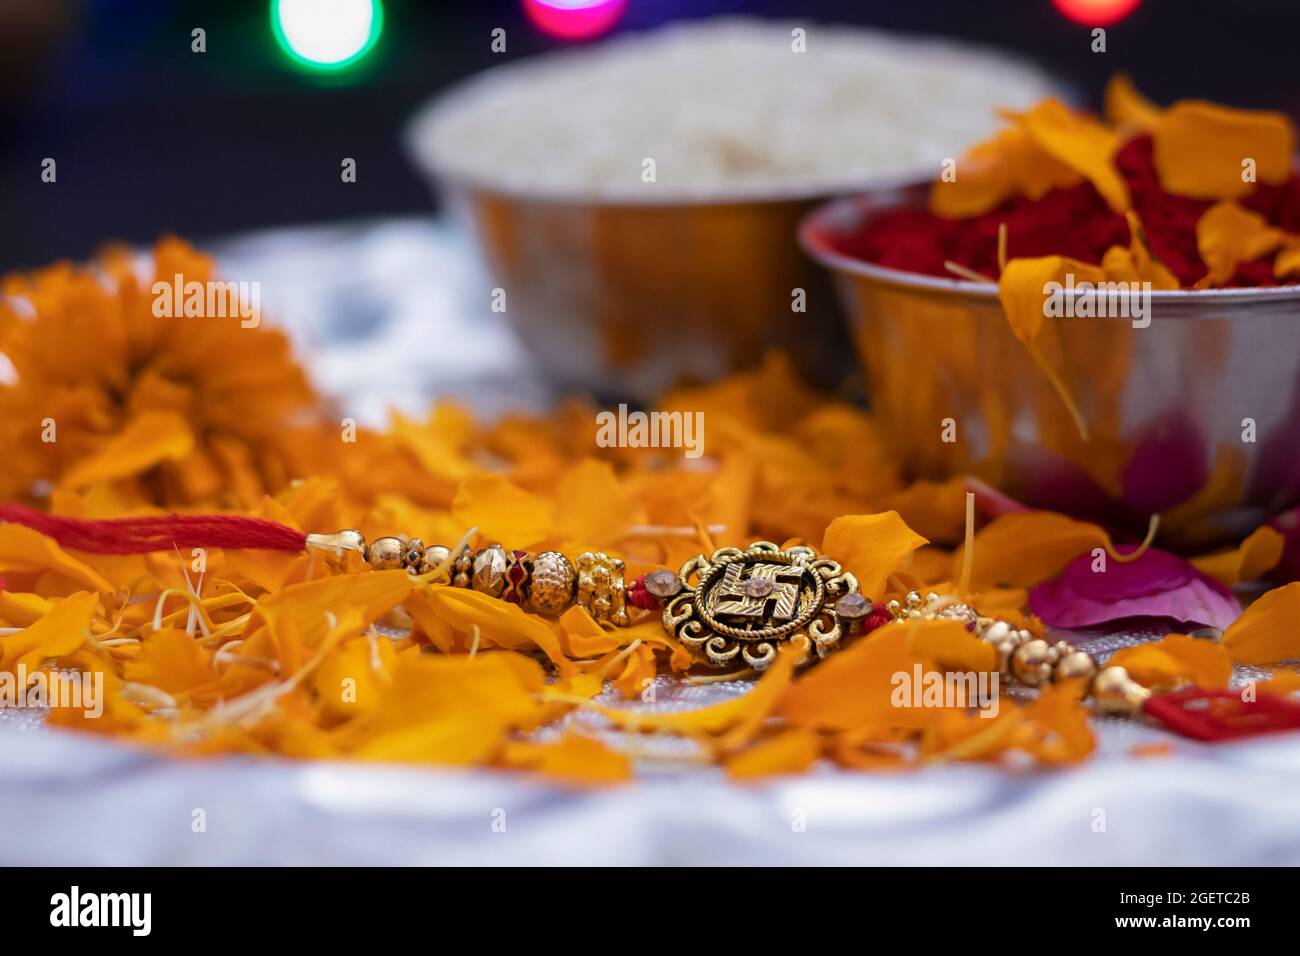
[(663, 584)]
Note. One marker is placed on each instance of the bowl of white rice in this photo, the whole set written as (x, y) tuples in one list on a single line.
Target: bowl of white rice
[(635, 201)]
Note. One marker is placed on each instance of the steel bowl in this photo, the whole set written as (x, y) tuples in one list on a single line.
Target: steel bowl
[(1195, 417), (626, 292), (626, 300)]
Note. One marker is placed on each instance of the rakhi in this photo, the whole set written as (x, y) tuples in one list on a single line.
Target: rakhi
[(735, 605)]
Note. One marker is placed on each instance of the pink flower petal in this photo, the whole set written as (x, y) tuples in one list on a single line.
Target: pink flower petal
[(1158, 584), (1168, 466)]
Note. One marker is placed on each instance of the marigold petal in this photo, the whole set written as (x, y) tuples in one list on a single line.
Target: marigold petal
[(591, 505), (1055, 728), (1126, 107), (790, 751), (1287, 263), (1249, 561), (741, 715), (1080, 142), (1009, 164), (24, 552), (310, 606), (1201, 149), (573, 759), (173, 661), (352, 679), (1027, 285), (59, 632), (503, 623), (871, 547), (583, 637), (22, 610), (1024, 548), (502, 511), (1228, 235), (950, 646), (447, 709), (1175, 661), (1266, 632), (853, 688), (148, 440)]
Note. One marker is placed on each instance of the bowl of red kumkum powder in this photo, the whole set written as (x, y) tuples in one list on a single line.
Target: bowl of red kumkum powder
[(1097, 316)]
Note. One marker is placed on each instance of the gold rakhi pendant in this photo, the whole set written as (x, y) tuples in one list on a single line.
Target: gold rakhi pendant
[(745, 603), (735, 606)]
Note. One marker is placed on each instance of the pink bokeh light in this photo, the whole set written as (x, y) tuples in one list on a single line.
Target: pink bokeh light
[(1096, 13), (574, 19)]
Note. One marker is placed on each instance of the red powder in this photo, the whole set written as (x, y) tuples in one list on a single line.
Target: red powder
[(1169, 221), (1074, 221)]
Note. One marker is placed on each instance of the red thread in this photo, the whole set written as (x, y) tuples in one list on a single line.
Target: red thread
[(1212, 715), (878, 617), (157, 533), (638, 596)]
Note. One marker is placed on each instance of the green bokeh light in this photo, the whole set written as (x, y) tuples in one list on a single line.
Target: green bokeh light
[(318, 42)]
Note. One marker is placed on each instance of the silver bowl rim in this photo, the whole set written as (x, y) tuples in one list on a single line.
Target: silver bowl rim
[(804, 193), (824, 218), (480, 85)]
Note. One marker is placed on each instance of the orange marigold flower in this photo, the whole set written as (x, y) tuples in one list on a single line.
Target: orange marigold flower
[(181, 410)]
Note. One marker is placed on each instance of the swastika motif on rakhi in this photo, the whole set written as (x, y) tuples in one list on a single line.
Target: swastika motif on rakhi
[(744, 603)]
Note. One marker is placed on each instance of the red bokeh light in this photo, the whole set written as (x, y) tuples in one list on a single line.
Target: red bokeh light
[(1096, 13), (574, 19)]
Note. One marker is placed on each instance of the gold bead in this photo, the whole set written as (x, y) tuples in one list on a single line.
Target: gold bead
[(461, 568), (960, 612), (433, 556), (997, 632), (600, 587), (1075, 664), (387, 553), (1117, 693), (1032, 662), (551, 589), (1005, 650), (892, 608), (411, 557), (490, 571)]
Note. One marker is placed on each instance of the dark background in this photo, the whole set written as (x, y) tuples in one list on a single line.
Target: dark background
[(150, 137)]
